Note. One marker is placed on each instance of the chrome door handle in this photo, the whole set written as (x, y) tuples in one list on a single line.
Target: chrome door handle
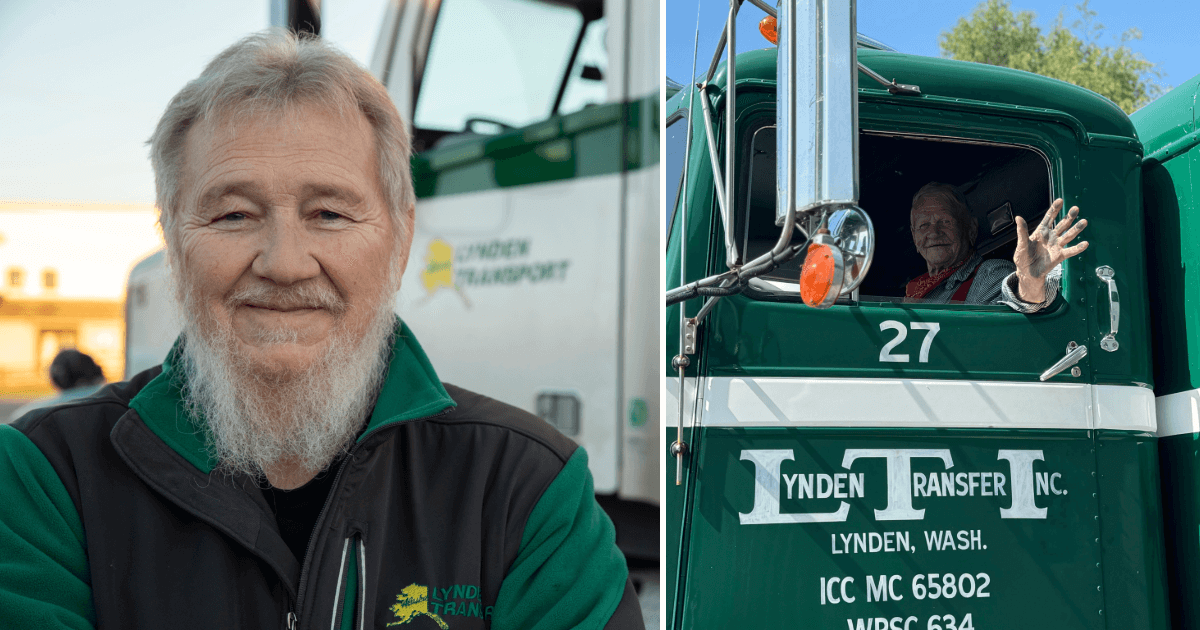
[(1074, 354), (1109, 342)]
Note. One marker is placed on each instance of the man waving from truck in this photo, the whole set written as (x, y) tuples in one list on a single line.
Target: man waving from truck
[(944, 234)]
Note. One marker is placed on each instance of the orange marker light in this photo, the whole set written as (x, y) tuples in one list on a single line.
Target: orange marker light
[(769, 29), (821, 276)]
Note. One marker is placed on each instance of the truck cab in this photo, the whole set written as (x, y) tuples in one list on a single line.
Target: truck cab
[(533, 274), (889, 463)]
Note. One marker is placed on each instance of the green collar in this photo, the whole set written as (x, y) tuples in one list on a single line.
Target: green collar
[(412, 390)]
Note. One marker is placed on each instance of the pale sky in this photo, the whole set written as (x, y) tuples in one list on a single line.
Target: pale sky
[(84, 82)]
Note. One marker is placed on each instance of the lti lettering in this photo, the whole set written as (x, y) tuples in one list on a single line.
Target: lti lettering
[(1022, 485)]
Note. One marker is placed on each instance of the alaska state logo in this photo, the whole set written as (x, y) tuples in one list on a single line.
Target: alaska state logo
[(459, 600), (413, 602), (439, 270)]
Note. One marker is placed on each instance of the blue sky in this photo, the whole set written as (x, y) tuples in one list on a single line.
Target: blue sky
[(1168, 28), (82, 84)]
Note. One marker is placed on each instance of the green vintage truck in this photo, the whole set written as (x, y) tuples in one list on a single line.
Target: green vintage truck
[(865, 461)]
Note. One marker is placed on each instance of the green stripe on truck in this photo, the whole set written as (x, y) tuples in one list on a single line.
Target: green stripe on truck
[(581, 144)]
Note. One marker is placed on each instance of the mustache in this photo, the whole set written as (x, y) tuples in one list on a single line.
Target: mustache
[(303, 295)]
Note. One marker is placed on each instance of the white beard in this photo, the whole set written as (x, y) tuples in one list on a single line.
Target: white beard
[(259, 417)]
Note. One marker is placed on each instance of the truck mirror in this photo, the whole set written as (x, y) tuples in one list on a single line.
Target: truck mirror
[(855, 236)]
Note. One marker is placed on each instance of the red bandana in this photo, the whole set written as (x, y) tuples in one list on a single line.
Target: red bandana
[(920, 286)]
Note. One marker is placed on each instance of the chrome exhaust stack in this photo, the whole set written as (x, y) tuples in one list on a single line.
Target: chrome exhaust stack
[(816, 126), (817, 107)]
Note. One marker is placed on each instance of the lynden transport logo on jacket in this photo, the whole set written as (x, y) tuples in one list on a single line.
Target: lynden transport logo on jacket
[(450, 511), (435, 603)]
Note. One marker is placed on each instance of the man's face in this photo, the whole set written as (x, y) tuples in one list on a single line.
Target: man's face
[(939, 238), (283, 235)]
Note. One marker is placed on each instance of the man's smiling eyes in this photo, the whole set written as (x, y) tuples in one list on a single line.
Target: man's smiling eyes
[(327, 216)]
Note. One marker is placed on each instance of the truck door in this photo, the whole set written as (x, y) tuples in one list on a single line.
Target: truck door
[(1167, 127), (535, 167), (891, 463)]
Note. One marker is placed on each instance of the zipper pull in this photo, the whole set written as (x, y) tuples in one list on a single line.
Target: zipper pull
[(292, 620)]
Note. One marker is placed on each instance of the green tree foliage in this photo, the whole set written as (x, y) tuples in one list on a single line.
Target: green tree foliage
[(994, 35)]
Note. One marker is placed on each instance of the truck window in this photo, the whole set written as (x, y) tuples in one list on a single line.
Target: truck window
[(999, 182), (585, 84), (516, 72), (677, 129)]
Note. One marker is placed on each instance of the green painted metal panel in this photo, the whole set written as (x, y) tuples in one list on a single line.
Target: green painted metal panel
[(1170, 206), (1180, 460), (599, 140), (746, 337), (1168, 118), (1109, 195), (1053, 572), (1168, 127), (676, 498), (1133, 540)]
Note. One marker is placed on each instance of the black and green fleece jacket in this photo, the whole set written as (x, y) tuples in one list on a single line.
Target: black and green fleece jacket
[(452, 510)]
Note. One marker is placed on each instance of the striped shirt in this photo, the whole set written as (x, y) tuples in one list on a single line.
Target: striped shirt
[(995, 283)]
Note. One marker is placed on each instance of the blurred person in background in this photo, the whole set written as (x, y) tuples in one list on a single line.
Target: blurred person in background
[(295, 461), (74, 374)]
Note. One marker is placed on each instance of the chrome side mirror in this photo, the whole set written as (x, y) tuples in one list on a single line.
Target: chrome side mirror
[(854, 234)]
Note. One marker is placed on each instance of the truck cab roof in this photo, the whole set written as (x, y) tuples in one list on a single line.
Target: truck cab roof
[(1167, 120), (948, 78)]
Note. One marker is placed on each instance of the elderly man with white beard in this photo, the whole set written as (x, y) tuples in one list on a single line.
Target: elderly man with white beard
[(295, 462)]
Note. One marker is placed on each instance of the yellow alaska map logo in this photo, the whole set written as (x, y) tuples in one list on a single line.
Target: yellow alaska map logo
[(459, 600), (413, 602), (439, 270), (439, 266)]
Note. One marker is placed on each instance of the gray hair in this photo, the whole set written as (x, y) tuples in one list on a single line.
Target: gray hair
[(274, 72), (952, 200)]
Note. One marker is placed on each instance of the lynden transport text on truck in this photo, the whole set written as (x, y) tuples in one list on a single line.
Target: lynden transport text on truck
[(844, 457)]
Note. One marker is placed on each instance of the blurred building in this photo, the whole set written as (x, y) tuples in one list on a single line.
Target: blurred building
[(63, 268)]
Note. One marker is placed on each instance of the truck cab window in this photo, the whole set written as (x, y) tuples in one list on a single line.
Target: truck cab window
[(586, 84), (677, 129), (525, 65), (998, 182)]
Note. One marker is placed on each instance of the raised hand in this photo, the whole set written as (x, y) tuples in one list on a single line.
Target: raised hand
[(1037, 254)]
